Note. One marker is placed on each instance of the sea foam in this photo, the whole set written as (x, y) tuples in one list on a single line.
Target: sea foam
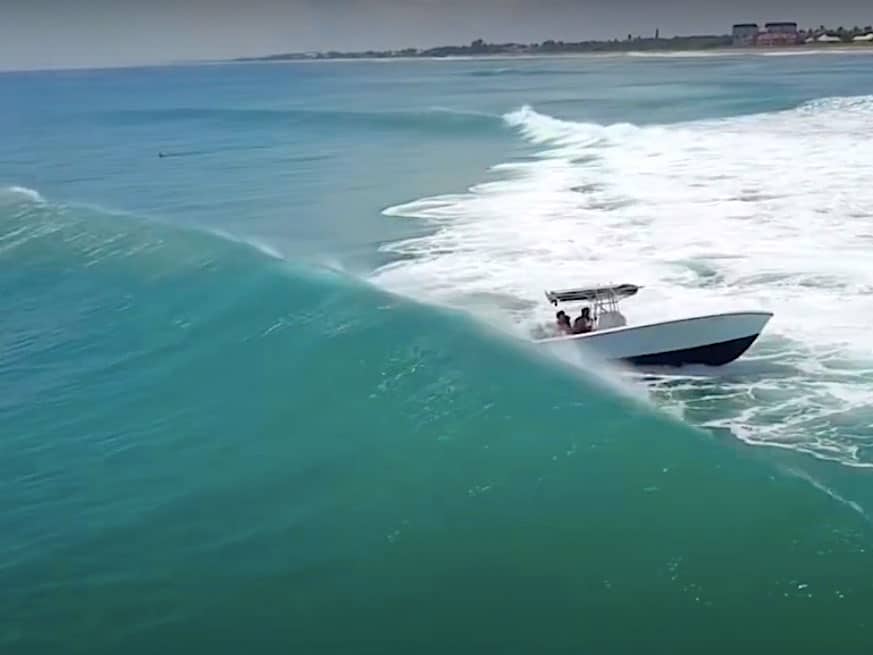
[(767, 211), (20, 194)]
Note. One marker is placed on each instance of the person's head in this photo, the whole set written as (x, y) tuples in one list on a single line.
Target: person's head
[(562, 317), (586, 312)]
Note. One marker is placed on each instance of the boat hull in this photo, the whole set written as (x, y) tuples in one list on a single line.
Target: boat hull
[(714, 354), (710, 340)]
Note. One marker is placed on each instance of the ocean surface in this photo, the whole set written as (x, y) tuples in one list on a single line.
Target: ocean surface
[(265, 380)]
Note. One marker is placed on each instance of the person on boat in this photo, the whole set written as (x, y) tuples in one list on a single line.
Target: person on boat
[(583, 323), (563, 322)]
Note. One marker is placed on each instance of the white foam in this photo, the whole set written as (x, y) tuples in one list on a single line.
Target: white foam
[(807, 51), (19, 193), (770, 211), (851, 504)]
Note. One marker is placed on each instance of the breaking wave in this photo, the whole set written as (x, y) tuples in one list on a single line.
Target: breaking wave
[(235, 403), (768, 211)]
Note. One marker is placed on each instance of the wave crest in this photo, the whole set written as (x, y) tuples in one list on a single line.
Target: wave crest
[(544, 129), (18, 194)]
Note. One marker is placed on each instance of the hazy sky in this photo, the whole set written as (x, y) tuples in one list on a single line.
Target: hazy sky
[(61, 33)]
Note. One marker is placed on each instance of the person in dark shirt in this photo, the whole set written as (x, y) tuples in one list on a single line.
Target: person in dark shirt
[(583, 323)]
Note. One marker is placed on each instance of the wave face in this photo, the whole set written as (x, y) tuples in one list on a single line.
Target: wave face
[(175, 401), (768, 210)]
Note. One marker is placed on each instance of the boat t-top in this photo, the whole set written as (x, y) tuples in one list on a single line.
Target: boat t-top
[(713, 339)]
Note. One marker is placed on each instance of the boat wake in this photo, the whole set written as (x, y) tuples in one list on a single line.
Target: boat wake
[(769, 211)]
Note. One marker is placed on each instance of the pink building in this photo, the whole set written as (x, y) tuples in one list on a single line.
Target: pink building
[(776, 34)]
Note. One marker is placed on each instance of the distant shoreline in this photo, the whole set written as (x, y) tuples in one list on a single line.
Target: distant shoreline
[(796, 50), (480, 48)]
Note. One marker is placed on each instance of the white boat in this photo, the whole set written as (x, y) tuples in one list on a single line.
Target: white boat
[(713, 339)]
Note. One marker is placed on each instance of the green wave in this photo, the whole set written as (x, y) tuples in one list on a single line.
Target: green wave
[(205, 447)]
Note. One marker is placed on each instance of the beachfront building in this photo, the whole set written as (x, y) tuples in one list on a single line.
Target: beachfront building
[(776, 34), (781, 28), (863, 37), (744, 34)]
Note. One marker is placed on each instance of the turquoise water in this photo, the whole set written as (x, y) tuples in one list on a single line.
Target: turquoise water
[(266, 391)]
